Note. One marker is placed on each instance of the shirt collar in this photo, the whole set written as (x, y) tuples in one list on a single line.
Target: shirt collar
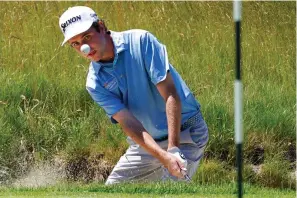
[(119, 44)]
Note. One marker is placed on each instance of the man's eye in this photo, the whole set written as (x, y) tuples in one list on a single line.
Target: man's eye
[(87, 37), (74, 44)]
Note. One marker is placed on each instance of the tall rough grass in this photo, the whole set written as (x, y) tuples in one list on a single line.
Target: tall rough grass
[(45, 109)]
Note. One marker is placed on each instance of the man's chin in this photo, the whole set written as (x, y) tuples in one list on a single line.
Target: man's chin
[(95, 59)]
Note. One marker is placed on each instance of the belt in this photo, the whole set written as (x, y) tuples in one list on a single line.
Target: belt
[(190, 122)]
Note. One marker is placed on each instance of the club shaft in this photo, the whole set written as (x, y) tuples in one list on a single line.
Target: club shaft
[(186, 176)]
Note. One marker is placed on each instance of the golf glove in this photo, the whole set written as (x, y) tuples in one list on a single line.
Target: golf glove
[(177, 153)]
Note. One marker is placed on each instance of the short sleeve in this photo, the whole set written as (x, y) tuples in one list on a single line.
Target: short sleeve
[(155, 58), (108, 101)]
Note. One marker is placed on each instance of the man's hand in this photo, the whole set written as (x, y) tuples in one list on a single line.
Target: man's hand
[(174, 165), (181, 159)]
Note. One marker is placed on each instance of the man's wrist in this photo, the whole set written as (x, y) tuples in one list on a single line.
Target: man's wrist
[(173, 148), (163, 156), (173, 143)]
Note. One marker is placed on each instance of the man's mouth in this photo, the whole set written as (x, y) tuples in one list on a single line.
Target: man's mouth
[(92, 53)]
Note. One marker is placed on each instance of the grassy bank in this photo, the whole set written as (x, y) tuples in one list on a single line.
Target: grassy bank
[(146, 190), (46, 112)]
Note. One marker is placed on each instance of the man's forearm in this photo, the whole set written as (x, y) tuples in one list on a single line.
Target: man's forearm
[(134, 129), (173, 112)]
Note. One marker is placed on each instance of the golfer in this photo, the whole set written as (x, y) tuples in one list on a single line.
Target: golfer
[(131, 78)]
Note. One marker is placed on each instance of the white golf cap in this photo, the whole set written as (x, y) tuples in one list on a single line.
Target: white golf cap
[(76, 20)]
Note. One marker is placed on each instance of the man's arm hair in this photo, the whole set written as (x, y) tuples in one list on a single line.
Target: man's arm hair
[(173, 109), (134, 129)]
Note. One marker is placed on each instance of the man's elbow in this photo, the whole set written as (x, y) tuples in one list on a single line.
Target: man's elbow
[(174, 97)]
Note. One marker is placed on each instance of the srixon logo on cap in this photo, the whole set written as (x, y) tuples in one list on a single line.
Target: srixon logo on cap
[(69, 21)]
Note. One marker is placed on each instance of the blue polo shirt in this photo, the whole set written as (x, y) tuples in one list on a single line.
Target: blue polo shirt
[(140, 63)]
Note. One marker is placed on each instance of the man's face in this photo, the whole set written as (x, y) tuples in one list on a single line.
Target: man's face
[(96, 40)]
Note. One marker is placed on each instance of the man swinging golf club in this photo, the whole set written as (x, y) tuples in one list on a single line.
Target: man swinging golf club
[(131, 78)]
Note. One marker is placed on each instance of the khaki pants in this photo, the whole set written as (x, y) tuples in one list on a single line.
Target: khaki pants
[(136, 165)]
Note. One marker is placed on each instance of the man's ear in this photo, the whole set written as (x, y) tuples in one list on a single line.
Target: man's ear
[(102, 26)]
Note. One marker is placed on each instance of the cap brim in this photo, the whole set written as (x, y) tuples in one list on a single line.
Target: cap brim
[(76, 30)]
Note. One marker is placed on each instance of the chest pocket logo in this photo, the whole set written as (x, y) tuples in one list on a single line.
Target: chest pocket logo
[(111, 84)]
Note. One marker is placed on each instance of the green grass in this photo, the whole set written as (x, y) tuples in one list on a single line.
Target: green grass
[(45, 110), (178, 190)]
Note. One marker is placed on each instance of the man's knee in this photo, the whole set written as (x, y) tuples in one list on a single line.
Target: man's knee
[(111, 182)]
